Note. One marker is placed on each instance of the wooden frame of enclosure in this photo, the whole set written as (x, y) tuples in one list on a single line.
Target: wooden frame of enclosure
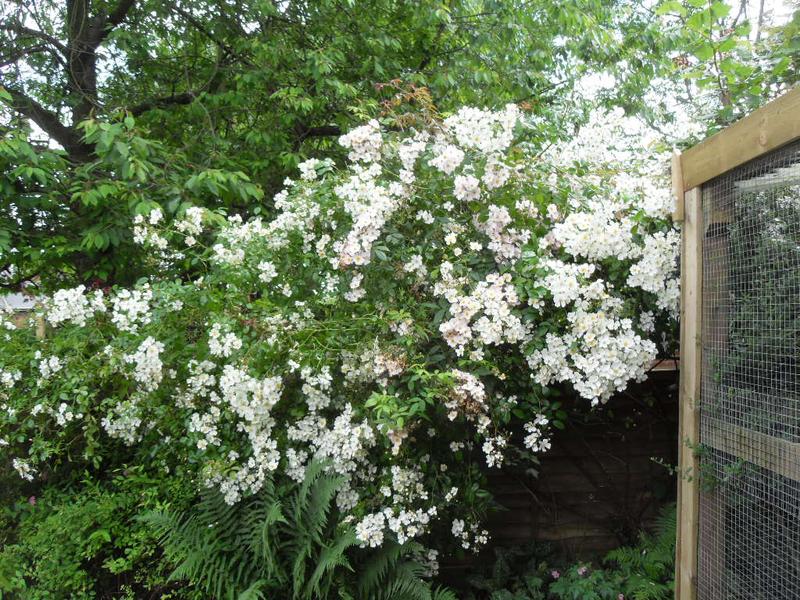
[(766, 129)]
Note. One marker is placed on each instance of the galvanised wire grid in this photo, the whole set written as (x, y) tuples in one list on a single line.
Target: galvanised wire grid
[(749, 520)]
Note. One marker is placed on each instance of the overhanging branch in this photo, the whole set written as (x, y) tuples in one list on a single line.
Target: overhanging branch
[(50, 123), (104, 25), (304, 131), (226, 48), (175, 100), (21, 30)]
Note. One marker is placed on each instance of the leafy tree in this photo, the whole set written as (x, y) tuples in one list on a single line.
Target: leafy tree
[(63, 221), (214, 101), (733, 57)]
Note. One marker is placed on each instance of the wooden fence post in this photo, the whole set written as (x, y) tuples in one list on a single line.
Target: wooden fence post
[(677, 187), (691, 355), (41, 327)]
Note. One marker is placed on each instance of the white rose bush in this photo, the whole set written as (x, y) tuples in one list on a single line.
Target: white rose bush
[(409, 319)]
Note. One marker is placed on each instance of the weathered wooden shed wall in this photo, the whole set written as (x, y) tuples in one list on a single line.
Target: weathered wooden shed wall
[(602, 482)]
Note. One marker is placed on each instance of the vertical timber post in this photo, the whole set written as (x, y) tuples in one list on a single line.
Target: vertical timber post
[(41, 327), (691, 358), (678, 194)]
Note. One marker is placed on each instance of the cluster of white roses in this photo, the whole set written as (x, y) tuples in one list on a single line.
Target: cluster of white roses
[(131, 308), (24, 469), (48, 366), (398, 516), (124, 420), (472, 252), (222, 344), (74, 306), (493, 299), (469, 535), (148, 368), (505, 242), (144, 233), (9, 378), (373, 364), (191, 225)]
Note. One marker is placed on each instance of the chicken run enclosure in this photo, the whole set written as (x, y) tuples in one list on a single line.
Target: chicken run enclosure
[(738, 196)]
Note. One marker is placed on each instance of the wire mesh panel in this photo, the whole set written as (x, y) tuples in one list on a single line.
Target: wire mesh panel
[(749, 522)]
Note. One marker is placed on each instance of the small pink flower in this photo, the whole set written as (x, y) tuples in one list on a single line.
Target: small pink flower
[(582, 571), (621, 597), (555, 574), (32, 500)]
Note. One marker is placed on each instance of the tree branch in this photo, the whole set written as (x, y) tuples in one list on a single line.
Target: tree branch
[(35, 33), (69, 138), (118, 15), (760, 22), (103, 25), (304, 131), (179, 99), (82, 60), (204, 30), (426, 59), (13, 58), (174, 100)]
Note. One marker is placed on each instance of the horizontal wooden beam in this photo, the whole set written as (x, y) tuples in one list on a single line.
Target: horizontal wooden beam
[(770, 127), (772, 453)]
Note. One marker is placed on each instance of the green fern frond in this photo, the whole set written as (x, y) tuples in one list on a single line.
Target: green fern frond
[(441, 593), (406, 583), (626, 556), (331, 559), (301, 498), (667, 522), (254, 592), (202, 557), (645, 589), (378, 566), (313, 503), (284, 543), (301, 552), (262, 523), (647, 568)]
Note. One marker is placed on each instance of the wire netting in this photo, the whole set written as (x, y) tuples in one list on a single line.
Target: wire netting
[(749, 532)]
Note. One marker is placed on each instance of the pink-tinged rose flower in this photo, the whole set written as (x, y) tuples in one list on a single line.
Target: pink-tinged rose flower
[(32, 500), (582, 571), (555, 574), (621, 597)]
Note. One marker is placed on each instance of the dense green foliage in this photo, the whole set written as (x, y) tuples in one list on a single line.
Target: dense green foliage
[(214, 102), (754, 285), (283, 543), (223, 94), (641, 572), (735, 57), (84, 539)]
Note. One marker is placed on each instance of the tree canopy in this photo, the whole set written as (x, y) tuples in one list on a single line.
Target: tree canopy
[(113, 108), (214, 102)]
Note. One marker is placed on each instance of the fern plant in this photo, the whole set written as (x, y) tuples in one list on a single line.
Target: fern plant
[(285, 543), (647, 570), (641, 572)]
